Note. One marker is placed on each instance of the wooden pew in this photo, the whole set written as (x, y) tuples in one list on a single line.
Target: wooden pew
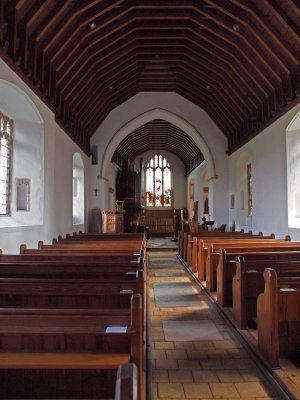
[(227, 266), (126, 383), (79, 259), (201, 244), (84, 290), (207, 248), (87, 254), (90, 291), (248, 283), (106, 245), (45, 341), (66, 293), (136, 237), (28, 273), (107, 235), (214, 251), (218, 243), (84, 251), (278, 317), (194, 238), (48, 269), (183, 239)]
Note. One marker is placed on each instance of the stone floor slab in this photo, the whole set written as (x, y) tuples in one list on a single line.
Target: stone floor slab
[(191, 330)]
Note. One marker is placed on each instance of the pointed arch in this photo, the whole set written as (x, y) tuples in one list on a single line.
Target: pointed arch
[(294, 125), (157, 113), (17, 103)]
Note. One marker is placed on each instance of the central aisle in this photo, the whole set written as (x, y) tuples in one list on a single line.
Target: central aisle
[(194, 353)]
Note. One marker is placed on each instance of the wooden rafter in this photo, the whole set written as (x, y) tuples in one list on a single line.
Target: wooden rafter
[(237, 59)]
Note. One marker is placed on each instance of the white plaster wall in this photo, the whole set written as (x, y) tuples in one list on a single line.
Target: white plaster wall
[(267, 154), (212, 142), (57, 178), (178, 171), (28, 149), (196, 177)]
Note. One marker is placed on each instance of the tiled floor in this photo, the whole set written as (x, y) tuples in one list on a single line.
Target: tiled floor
[(206, 369)]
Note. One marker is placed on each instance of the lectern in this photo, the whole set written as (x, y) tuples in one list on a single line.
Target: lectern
[(113, 221)]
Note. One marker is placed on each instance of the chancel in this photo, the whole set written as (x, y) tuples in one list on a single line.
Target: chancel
[(149, 199)]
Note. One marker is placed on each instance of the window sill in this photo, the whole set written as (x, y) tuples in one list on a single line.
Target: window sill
[(294, 223), (19, 228)]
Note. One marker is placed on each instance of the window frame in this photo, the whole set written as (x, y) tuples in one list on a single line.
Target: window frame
[(162, 168), (5, 120)]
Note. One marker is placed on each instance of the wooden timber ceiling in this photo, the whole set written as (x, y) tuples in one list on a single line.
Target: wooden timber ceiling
[(159, 135), (236, 59)]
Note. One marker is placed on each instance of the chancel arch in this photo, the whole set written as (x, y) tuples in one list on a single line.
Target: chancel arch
[(147, 117)]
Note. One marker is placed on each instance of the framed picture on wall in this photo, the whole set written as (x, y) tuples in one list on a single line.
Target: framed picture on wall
[(232, 201), (196, 210)]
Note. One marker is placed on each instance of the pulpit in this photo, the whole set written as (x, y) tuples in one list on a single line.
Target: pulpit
[(113, 221)]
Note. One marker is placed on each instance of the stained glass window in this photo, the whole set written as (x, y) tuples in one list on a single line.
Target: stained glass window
[(158, 182), (6, 128)]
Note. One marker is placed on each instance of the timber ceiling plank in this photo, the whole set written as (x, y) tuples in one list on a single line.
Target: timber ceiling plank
[(159, 135), (236, 59)]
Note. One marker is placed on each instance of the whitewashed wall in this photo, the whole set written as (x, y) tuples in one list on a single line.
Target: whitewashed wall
[(267, 154), (52, 185)]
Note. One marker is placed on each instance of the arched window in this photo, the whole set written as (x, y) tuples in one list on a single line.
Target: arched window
[(78, 190), (6, 133), (293, 171), (158, 182)]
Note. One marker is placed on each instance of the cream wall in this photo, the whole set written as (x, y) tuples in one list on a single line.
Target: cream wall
[(57, 174), (267, 154)]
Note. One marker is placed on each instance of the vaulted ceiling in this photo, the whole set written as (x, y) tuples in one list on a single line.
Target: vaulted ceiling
[(236, 59), (159, 135)]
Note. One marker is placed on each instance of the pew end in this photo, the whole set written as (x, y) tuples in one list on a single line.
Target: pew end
[(278, 314), (23, 248), (126, 383)]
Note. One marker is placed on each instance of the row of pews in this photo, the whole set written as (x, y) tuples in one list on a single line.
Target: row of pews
[(73, 320), (255, 279)]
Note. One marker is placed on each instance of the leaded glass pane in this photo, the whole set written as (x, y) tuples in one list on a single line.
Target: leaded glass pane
[(167, 187), (158, 188), (5, 151), (158, 182), (149, 187)]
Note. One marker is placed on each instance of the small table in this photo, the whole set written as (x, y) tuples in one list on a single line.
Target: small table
[(207, 224)]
